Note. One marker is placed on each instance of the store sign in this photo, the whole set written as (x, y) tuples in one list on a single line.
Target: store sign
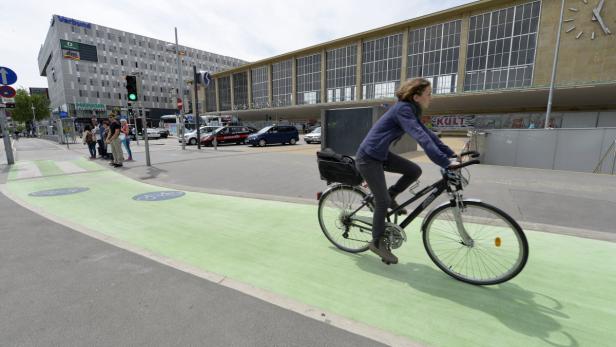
[(82, 106), (69, 45), (75, 22), (453, 122)]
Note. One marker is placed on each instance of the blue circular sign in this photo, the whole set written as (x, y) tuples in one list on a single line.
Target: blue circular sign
[(159, 196), (60, 191), (7, 76)]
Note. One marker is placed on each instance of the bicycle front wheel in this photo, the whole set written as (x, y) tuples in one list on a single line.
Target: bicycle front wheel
[(495, 252), (335, 208)]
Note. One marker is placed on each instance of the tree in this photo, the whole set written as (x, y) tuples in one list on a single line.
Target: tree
[(23, 107)]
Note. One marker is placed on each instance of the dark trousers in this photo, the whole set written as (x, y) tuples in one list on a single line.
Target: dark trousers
[(92, 149), (373, 171), (102, 148)]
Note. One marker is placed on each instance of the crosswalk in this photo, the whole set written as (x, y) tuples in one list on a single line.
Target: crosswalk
[(35, 169)]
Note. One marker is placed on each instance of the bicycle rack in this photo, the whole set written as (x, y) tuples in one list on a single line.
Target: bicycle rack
[(600, 164)]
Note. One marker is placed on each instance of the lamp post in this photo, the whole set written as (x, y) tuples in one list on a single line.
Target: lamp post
[(33, 121), (179, 88), (560, 27)]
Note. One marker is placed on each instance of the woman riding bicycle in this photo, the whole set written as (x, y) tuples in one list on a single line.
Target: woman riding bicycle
[(373, 157)]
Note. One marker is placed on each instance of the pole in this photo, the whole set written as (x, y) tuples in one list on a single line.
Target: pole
[(5, 135), (34, 121), (181, 118), (196, 108), (560, 28), (144, 125)]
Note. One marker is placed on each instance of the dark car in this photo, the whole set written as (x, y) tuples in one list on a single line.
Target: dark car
[(275, 134), (229, 134)]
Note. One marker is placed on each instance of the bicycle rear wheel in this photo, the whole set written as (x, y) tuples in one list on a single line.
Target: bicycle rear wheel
[(335, 208), (498, 250)]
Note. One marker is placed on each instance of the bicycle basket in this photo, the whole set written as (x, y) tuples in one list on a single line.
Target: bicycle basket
[(335, 167)]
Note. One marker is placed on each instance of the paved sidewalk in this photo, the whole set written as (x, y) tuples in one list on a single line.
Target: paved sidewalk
[(278, 247)]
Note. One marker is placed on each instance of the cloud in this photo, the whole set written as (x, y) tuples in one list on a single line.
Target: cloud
[(248, 30)]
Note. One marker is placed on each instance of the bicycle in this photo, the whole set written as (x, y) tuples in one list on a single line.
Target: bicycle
[(470, 240)]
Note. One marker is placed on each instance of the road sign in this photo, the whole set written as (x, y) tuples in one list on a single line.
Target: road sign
[(7, 91), (7, 76), (63, 114), (189, 118), (180, 104)]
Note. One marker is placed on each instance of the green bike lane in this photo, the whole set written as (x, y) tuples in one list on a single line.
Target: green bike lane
[(564, 296)]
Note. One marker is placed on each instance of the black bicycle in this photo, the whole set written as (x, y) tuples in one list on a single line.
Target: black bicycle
[(469, 240)]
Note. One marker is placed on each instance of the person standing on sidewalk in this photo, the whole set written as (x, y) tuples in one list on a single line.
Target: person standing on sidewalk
[(125, 137), (373, 157), (89, 139), (102, 147), (114, 140)]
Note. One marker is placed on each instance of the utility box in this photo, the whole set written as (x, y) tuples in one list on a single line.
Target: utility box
[(344, 129)]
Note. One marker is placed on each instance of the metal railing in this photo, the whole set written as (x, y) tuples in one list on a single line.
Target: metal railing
[(612, 148)]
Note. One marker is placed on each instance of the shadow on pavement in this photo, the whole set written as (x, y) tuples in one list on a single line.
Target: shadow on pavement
[(529, 313), (151, 173)]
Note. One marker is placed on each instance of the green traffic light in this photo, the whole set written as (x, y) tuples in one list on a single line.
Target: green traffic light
[(132, 97)]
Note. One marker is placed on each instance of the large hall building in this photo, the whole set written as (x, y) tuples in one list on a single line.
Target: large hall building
[(490, 63)]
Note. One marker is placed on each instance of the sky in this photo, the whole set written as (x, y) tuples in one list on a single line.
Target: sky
[(250, 30)]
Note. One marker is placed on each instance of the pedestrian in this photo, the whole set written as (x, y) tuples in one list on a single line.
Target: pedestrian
[(90, 141), (102, 147), (125, 137), (107, 146), (373, 157), (113, 138)]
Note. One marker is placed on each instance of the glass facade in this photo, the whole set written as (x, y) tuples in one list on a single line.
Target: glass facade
[(309, 79), (210, 96), (240, 91), (341, 67), (282, 83), (224, 93), (381, 63), (434, 54), (501, 48), (259, 87)]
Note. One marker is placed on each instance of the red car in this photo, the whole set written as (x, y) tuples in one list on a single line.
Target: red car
[(229, 134)]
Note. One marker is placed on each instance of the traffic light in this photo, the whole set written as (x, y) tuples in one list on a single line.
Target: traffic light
[(131, 88)]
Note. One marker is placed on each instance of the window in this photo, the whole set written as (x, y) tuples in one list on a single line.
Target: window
[(501, 48), (309, 79), (210, 96), (341, 67), (382, 59), (224, 93), (260, 97), (240, 91), (434, 53), (281, 83)]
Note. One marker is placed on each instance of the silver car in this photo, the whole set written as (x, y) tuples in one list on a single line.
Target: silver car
[(314, 136), (191, 137)]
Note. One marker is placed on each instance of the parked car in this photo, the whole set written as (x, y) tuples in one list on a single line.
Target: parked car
[(191, 136), (314, 136), (153, 133), (274, 134), (228, 134), (164, 133)]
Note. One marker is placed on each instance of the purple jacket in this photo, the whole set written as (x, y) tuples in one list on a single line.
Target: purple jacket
[(399, 119)]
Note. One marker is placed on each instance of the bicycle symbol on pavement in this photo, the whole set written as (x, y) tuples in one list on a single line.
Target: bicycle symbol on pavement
[(59, 191), (159, 196)]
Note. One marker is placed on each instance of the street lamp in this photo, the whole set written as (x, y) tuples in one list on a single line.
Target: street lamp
[(34, 121), (179, 94)]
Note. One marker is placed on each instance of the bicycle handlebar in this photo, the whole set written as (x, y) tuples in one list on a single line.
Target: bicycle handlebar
[(473, 154), (467, 163)]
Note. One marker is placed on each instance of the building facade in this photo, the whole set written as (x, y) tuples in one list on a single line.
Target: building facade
[(490, 64), (86, 64)]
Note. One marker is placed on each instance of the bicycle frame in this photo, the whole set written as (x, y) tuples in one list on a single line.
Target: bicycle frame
[(436, 188)]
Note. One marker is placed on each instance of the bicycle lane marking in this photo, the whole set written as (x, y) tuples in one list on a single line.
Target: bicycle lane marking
[(278, 248)]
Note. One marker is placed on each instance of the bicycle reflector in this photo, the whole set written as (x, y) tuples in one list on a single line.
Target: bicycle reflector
[(497, 242), (319, 195)]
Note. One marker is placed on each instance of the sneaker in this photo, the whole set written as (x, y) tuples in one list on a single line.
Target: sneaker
[(117, 165), (383, 251)]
